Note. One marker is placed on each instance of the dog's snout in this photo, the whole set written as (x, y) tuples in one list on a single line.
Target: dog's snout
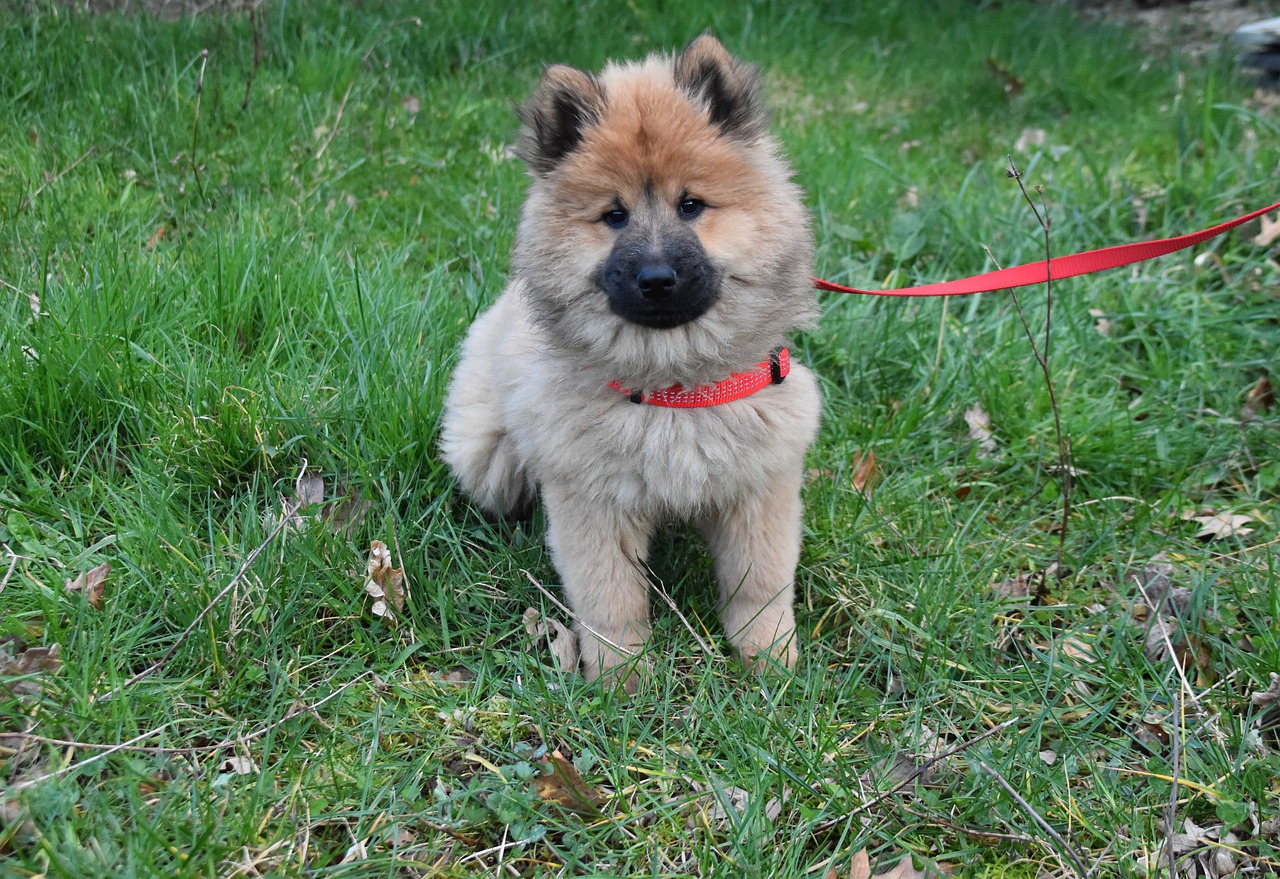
[(656, 280)]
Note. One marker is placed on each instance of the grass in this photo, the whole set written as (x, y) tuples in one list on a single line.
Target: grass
[(226, 293)]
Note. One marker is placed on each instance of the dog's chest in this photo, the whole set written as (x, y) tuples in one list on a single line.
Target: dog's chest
[(672, 462)]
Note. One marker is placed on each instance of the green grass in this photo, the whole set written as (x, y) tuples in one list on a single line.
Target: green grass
[(227, 292)]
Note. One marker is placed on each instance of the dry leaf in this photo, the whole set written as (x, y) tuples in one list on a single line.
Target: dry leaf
[(1270, 231), (239, 766), (357, 851), (383, 583), (904, 869), (865, 471), (91, 584), (1223, 525), (1030, 137), (561, 783), (30, 662), (563, 642), (1269, 696), (1102, 324), (860, 866), (1261, 398), (980, 429)]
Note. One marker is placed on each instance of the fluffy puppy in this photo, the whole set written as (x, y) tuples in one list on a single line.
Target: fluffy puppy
[(633, 372)]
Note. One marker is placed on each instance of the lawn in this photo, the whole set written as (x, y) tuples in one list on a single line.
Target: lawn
[(237, 254)]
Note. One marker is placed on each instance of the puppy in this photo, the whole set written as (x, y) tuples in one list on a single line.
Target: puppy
[(635, 371)]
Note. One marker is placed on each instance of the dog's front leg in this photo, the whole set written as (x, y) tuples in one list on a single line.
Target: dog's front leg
[(756, 547), (600, 555)]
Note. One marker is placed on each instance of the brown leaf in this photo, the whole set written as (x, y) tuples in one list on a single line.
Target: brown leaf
[(1220, 526), (1270, 231), (860, 866), (980, 429), (563, 642), (1269, 696), (29, 663), (865, 471), (91, 584), (1008, 80), (1261, 398), (561, 783), (384, 583), (904, 869)]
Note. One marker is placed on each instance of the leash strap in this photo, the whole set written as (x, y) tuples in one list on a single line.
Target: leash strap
[(1058, 267)]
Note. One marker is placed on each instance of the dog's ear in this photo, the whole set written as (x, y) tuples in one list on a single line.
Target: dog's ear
[(562, 107), (730, 88)]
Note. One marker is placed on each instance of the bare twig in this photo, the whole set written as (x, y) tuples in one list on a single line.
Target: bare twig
[(131, 746), (929, 764), (1042, 356), (195, 127), (13, 563), (364, 59), (1171, 816), (255, 18), (26, 202), (573, 616), (1063, 846), (285, 517)]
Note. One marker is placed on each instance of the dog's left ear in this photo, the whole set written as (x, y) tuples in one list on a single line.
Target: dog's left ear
[(730, 88)]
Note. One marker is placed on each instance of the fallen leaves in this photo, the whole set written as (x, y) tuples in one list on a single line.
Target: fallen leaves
[(1220, 526), (91, 584), (1270, 231), (979, 423), (383, 583), (865, 472), (1269, 696), (562, 783), (562, 641), (1260, 399), (860, 868), (26, 664)]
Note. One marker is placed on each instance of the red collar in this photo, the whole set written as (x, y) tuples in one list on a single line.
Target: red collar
[(735, 387)]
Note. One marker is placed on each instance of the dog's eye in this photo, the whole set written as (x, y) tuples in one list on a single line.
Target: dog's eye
[(691, 207), (616, 218)]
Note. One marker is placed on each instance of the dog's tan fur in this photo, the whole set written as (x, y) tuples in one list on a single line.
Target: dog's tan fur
[(529, 407)]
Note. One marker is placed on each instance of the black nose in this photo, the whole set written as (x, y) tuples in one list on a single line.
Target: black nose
[(656, 280)]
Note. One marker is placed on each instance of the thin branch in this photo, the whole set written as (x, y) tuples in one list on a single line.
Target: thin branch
[(131, 746), (26, 202), (1042, 359), (1171, 816), (255, 18), (929, 764), (285, 517), (1063, 846), (195, 127)]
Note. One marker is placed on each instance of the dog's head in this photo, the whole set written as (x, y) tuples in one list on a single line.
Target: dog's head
[(662, 234)]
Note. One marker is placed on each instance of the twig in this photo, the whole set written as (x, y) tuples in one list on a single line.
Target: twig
[(195, 127), (193, 749), (1171, 816), (1063, 846), (26, 202), (1042, 358), (286, 513), (573, 616), (107, 750), (255, 18), (364, 59), (930, 763), (670, 603), (13, 563)]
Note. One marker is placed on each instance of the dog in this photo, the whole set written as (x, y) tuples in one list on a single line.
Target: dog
[(634, 371)]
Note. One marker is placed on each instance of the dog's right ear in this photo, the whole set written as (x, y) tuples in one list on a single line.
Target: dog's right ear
[(563, 106)]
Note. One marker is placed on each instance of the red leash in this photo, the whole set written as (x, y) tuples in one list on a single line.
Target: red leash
[(1059, 266)]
